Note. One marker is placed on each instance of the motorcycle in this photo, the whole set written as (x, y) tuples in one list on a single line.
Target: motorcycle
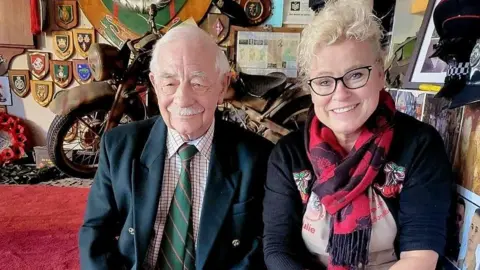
[(269, 105), (121, 93)]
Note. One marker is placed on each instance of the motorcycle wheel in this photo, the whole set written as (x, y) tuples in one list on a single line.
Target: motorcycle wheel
[(87, 120), (293, 115)]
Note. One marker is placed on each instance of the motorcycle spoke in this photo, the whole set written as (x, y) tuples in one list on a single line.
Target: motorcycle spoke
[(85, 159), (88, 126), (295, 123), (94, 157), (73, 148), (83, 150)]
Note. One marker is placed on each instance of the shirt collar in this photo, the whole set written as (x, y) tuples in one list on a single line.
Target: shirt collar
[(203, 144)]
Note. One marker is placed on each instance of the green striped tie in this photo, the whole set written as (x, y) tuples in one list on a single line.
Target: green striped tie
[(177, 251)]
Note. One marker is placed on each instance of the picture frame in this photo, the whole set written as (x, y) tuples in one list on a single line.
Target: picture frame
[(422, 69), (262, 50), (5, 92)]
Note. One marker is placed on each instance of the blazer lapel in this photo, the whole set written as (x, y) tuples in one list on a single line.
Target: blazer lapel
[(222, 182), (146, 180)]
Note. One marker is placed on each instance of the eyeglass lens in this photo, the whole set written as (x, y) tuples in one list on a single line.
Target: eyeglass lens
[(353, 79)]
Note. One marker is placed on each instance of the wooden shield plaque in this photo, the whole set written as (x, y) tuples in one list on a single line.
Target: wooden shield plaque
[(81, 71), (83, 38), (217, 25), (65, 13), (19, 82), (42, 92), (62, 44), (39, 64), (117, 24), (61, 72), (257, 11)]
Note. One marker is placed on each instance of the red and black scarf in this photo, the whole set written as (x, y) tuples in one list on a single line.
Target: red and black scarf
[(343, 178)]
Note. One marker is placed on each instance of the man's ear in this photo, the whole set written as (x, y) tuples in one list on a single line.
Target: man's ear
[(152, 79), (224, 83)]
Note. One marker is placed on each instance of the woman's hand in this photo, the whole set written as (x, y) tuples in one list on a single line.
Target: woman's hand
[(416, 259)]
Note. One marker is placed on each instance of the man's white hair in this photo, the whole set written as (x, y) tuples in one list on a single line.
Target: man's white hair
[(340, 20), (195, 34)]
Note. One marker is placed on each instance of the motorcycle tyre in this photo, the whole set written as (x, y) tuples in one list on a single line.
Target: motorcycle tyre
[(60, 126)]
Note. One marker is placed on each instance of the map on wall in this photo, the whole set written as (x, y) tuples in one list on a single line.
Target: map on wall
[(260, 53)]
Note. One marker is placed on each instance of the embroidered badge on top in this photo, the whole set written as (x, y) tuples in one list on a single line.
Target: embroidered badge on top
[(315, 210), (62, 44), (19, 82), (301, 179), (394, 177)]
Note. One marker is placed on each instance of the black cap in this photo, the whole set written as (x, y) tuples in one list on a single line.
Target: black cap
[(471, 92), (457, 18), (456, 53)]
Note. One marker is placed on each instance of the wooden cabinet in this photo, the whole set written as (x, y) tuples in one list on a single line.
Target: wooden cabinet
[(15, 34), (15, 24)]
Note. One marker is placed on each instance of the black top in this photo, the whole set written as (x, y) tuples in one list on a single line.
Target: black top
[(420, 210)]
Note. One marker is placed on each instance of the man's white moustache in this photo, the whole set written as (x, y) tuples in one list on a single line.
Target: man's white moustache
[(185, 111)]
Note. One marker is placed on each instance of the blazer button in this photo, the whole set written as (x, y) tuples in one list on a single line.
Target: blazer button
[(131, 231), (236, 243)]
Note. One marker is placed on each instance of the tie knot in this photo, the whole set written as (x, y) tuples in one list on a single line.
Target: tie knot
[(186, 152)]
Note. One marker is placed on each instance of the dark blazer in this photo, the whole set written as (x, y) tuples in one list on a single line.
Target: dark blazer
[(123, 200)]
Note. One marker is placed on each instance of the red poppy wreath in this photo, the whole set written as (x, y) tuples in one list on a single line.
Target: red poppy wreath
[(13, 139)]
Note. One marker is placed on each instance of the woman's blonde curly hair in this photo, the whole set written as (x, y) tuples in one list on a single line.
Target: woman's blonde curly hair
[(340, 20)]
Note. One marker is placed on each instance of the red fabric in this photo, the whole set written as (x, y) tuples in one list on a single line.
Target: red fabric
[(343, 179), (34, 18), (39, 227)]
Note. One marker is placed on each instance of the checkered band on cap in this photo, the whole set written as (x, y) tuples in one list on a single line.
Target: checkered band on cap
[(458, 69)]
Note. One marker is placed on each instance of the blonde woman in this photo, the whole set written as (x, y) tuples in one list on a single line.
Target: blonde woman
[(362, 186)]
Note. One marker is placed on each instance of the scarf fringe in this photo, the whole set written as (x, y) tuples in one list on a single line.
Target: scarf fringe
[(349, 249)]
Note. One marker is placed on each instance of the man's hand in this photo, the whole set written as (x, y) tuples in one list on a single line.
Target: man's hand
[(417, 259)]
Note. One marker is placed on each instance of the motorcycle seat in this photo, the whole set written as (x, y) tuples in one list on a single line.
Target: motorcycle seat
[(260, 86)]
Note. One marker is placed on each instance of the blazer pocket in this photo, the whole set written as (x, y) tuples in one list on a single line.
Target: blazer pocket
[(242, 207)]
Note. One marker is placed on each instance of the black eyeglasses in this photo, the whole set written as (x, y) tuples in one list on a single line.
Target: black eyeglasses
[(354, 79)]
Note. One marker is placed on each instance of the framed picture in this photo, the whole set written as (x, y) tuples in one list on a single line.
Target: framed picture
[(422, 69), (260, 50), (5, 92)]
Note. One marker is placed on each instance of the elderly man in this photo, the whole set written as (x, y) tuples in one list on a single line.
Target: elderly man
[(184, 190)]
